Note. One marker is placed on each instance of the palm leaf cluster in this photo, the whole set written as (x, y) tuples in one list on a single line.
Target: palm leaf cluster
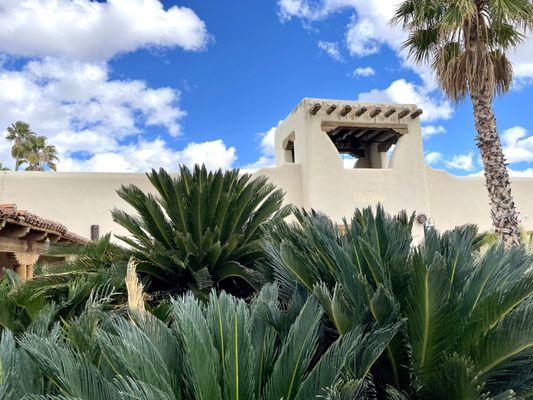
[(227, 349), (469, 330), (61, 290), (201, 230), (31, 149), (466, 41)]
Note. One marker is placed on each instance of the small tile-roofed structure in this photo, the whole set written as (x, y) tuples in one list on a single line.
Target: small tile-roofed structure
[(23, 238)]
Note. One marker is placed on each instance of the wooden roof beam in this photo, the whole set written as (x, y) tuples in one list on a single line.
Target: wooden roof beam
[(360, 111), (384, 136), (389, 112), (14, 231), (345, 110), (316, 108), (403, 113), (416, 113), (375, 112), (331, 108)]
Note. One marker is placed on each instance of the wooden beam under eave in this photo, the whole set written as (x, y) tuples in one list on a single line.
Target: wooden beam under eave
[(345, 110), (12, 245), (416, 113), (360, 111), (36, 236), (15, 231), (361, 133), (375, 112), (404, 112), (384, 136), (315, 109), (389, 112), (331, 108)]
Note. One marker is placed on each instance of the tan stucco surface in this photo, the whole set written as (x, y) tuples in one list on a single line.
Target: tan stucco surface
[(316, 179)]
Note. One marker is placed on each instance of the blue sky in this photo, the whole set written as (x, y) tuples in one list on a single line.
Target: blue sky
[(127, 85)]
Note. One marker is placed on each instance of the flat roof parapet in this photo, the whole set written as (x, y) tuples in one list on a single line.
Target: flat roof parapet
[(352, 110)]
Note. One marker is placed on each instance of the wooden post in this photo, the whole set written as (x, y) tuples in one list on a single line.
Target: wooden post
[(24, 264), (95, 232)]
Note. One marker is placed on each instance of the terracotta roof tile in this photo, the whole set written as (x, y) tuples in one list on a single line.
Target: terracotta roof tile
[(10, 212)]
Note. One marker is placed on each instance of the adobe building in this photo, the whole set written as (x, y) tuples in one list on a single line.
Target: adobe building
[(384, 162)]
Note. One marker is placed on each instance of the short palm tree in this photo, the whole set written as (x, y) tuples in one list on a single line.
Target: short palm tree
[(19, 133), (469, 329), (466, 42), (203, 229)]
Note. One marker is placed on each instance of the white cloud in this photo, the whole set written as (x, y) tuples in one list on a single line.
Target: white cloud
[(461, 161), (331, 49), (145, 155), (369, 29), (526, 173), (433, 157), (431, 130), (363, 72), (522, 59), (91, 30), (401, 91), (517, 145), (267, 158), (56, 96), (81, 110)]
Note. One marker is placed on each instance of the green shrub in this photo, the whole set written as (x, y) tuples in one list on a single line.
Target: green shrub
[(469, 331), (225, 350), (202, 230)]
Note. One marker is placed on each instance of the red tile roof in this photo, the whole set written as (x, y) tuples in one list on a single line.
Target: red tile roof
[(23, 217)]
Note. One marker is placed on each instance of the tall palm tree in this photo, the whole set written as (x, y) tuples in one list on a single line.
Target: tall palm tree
[(18, 133), (466, 42)]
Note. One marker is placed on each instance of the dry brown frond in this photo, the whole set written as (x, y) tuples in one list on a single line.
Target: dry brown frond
[(134, 288)]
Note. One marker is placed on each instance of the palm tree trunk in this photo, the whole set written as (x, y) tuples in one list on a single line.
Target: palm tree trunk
[(502, 205)]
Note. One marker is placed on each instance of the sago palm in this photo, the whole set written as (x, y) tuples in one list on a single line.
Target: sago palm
[(466, 43), (469, 331), (62, 289), (225, 350), (202, 229)]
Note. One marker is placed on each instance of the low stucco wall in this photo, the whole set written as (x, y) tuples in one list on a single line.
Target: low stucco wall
[(80, 200), (457, 200), (77, 200)]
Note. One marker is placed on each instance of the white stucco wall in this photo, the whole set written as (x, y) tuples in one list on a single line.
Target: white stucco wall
[(317, 179)]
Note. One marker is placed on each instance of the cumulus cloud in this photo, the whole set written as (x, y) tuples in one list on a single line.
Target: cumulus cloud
[(267, 157), (517, 145), (431, 130), (433, 157), (461, 161), (331, 49), (60, 97), (93, 119), (363, 72), (526, 173), (401, 91), (145, 155), (92, 30), (369, 28)]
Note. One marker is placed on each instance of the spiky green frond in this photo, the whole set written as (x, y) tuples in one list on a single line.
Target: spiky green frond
[(203, 228)]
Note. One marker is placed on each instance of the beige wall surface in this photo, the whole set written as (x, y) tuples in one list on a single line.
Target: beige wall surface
[(316, 178), (77, 200)]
